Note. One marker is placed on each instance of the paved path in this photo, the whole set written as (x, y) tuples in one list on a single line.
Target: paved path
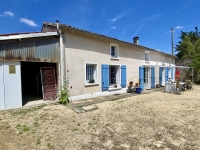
[(95, 100)]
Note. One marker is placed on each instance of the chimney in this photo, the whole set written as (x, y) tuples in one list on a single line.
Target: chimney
[(57, 23), (136, 40)]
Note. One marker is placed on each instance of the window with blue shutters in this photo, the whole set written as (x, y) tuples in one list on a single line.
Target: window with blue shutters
[(141, 76), (123, 76), (105, 77)]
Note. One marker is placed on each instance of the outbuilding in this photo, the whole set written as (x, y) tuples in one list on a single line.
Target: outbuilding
[(29, 68)]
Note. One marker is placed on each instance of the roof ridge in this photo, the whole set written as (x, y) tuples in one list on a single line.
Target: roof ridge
[(105, 36)]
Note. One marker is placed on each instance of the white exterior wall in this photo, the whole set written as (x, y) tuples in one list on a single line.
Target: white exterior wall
[(82, 49), (11, 89), (2, 104)]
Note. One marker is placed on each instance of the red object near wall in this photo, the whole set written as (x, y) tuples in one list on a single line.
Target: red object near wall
[(178, 74)]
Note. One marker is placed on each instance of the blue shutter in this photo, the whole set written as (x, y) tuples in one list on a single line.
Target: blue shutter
[(141, 76), (160, 76), (152, 77), (105, 83), (166, 74), (123, 76), (172, 73)]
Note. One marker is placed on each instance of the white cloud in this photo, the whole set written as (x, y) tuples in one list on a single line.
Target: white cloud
[(8, 13), (178, 27), (28, 22), (113, 27), (117, 17)]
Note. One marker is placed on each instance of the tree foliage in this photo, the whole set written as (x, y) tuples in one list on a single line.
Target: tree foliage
[(188, 48)]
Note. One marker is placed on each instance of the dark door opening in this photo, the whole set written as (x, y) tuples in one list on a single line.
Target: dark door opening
[(31, 80)]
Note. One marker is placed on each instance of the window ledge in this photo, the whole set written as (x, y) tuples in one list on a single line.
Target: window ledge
[(91, 84), (117, 58), (113, 89)]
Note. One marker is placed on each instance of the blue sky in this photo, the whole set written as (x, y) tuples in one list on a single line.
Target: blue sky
[(151, 20)]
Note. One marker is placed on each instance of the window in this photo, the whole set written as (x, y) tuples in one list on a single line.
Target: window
[(170, 73), (147, 56), (169, 61), (114, 51), (163, 60), (91, 73), (114, 75)]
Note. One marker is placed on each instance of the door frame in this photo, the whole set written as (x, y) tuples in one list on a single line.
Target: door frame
[(163, 76), (147, 78)]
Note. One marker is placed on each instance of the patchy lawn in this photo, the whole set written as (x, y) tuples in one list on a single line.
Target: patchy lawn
[(150, 121)]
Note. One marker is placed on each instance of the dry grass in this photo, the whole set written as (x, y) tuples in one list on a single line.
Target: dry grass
[(151, 121)]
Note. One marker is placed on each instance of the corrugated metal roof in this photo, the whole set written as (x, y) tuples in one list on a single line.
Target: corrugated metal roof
[(17, 33), (68, 27), (37, 49), (25, 35)]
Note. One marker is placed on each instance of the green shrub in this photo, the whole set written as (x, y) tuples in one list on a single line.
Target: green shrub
[(64, 95)]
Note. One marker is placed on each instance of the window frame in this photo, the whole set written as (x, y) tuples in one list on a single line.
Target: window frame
[(116, 51), (170, 61), (118, 77), (145, 56), (95, 74), (163, 60)]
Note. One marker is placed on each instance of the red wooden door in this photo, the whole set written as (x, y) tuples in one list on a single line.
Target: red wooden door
[(48, 83)]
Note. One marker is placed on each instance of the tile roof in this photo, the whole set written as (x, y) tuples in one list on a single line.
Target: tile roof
[(68, 27)]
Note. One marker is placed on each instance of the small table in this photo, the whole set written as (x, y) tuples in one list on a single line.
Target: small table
[(170, 87)]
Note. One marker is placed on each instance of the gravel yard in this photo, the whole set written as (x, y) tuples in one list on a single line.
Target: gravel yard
[(150, 121)]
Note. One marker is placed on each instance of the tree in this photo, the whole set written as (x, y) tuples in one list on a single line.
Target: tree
[(188, 48), (189, 44)]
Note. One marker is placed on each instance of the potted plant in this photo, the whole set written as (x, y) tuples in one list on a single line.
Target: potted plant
[(177, 87), (115, 86), (137, 84), (91, 81), (131, 83), (189, 82)]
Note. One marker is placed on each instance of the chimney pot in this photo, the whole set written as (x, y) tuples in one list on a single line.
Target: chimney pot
[(57, 23), (136, 40)]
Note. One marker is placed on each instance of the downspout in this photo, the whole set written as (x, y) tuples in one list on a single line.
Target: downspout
[(64, 60), (60, 53), (62, 67)]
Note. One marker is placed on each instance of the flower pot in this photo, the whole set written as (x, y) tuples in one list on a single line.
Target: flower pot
[(178, 90), (138, 90), (136, 84), (91, 81), (115, 86)]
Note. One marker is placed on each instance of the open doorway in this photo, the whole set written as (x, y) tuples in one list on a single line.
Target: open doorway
[(163, 76), (147, 78), (31, 80)]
